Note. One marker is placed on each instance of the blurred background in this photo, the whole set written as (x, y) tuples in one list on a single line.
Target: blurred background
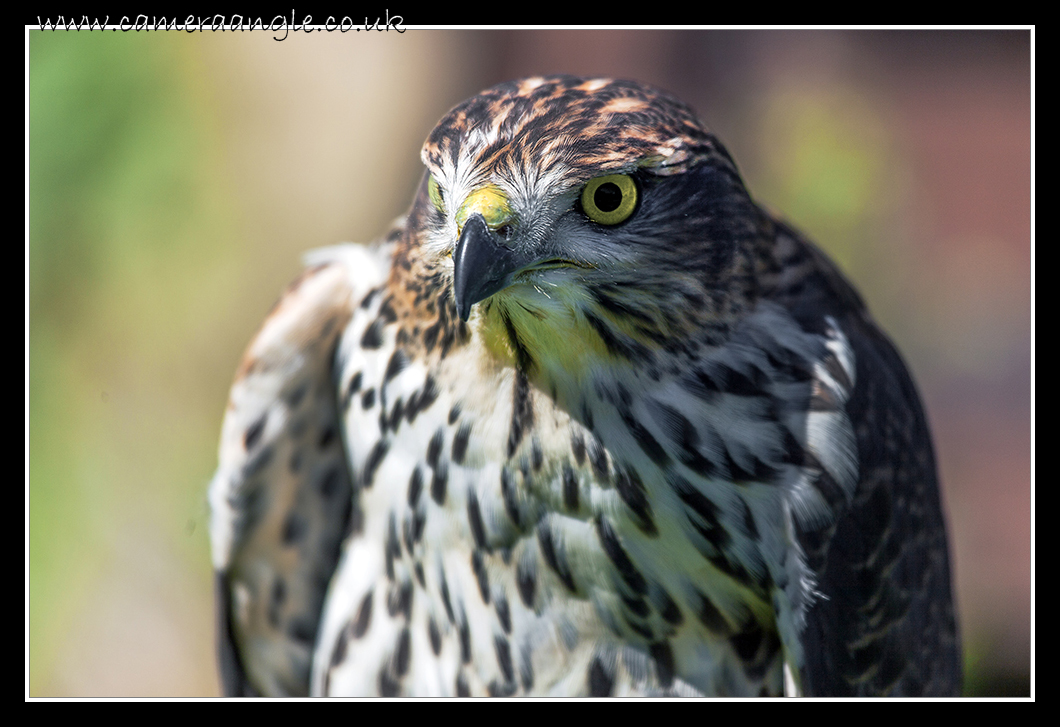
[(176, 179)]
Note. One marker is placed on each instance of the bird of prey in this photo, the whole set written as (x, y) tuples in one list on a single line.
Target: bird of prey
[(587, 422)]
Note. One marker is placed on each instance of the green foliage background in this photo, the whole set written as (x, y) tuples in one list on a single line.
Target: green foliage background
[(129, 225)]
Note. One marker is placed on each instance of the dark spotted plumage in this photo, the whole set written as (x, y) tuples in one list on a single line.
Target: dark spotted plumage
[(526, 448)]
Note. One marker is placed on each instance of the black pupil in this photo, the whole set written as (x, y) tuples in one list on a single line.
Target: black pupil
[(607, 197)]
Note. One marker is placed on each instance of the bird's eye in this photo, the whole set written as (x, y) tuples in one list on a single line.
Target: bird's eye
[(435, 193), (610, 199)]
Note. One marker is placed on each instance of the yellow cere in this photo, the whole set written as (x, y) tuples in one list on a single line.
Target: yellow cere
[(610, 199), (490, 202)]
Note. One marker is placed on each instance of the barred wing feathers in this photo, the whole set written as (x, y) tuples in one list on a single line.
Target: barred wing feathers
[(282, 498)]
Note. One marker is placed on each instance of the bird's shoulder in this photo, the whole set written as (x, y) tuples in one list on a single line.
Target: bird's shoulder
[(281, 494), (882, 560)]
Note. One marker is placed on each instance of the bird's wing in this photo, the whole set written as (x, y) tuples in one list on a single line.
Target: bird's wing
[(281, 498), (883, 621)]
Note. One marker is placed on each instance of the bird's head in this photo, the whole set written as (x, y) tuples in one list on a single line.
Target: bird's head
[(577, 222)]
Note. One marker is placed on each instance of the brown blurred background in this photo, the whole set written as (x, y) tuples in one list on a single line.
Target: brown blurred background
[(176, 179)]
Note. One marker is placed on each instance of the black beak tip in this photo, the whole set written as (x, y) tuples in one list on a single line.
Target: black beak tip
[(463, 309), (471, 250)]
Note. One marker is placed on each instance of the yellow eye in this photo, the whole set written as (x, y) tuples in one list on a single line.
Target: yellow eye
[(610, 199), (435, 193)]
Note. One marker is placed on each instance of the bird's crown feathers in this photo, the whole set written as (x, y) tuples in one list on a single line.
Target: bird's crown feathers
[(585, 126)]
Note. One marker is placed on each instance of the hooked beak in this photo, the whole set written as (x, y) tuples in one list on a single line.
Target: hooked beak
[(482, 265), (484, 261)]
